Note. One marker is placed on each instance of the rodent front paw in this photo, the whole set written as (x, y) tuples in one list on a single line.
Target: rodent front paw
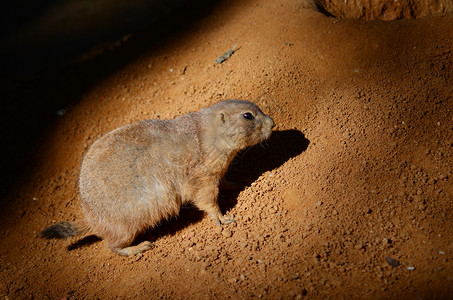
[(226, 219)]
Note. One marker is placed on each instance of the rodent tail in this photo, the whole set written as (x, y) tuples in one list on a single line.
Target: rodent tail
[(64, 230)]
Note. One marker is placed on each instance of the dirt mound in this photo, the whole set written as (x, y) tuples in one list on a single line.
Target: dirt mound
[(384, 9), (351, 197)]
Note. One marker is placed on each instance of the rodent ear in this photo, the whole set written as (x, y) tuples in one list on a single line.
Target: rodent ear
[(222, 117)]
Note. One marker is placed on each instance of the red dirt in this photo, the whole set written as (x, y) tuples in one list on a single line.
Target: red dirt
[(358, 170)]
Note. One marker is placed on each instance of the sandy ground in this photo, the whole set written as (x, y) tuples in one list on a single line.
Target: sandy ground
[(352, 198)]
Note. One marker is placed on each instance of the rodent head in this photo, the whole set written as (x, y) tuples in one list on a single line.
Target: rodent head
[(238, 124)]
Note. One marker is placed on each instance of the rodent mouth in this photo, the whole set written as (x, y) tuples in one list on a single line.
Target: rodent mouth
[(266, 134)]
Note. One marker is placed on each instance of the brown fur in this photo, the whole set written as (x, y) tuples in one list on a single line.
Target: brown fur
[(137, 175)]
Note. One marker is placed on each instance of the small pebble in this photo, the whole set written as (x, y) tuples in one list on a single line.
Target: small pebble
[(411, 268), (393, 262), (431, 181), (227, 233), (61, 112)]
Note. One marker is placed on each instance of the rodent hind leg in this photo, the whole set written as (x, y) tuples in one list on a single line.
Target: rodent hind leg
[(120, 243), (133, 250), (206, 200)]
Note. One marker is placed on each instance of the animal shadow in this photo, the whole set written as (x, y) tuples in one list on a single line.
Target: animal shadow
[(188, 214), (86, 241), (250, 163)]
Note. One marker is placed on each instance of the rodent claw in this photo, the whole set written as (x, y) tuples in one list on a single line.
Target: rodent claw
[(227, 220)]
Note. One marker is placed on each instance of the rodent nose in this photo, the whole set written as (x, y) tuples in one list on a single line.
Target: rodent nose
[(272, 123)]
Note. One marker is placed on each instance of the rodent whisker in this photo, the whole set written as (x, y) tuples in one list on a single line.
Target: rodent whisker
[(265, 145), (241, 153)]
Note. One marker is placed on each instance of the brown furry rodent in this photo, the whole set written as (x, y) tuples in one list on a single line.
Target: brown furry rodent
[(137, 175)]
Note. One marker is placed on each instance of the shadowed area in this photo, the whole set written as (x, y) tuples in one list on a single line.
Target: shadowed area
[(85, 241), (250, 163)]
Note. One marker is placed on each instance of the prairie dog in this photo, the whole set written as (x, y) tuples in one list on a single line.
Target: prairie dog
[(137, 175)]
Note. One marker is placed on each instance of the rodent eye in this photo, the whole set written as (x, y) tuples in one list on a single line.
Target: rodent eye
[(248, 116)]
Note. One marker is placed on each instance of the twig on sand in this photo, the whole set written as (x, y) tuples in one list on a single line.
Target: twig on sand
[(226, 55)]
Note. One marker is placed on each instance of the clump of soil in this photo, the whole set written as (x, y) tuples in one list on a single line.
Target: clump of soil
[(384, 9), (351, 197)]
